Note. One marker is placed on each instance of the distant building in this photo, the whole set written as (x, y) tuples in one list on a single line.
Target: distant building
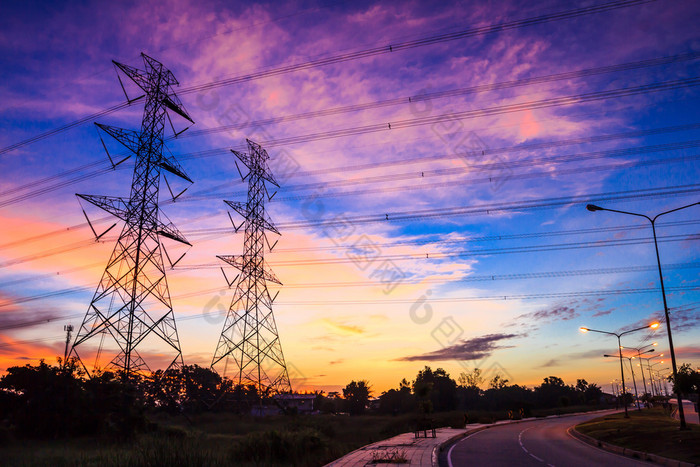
[(303, 403)]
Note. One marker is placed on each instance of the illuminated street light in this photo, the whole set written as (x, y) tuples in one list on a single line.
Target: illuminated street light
[(634, 381), (640, 351), (619, 349), (594, 208)]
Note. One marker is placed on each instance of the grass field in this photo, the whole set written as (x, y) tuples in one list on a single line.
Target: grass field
[(652, 431), (226, 439)]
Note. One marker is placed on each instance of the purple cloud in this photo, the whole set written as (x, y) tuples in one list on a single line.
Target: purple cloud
[(467, 349)]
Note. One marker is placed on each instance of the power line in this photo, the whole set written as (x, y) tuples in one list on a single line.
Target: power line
[(449, 93), (480, 278), (594, 293), (359, 257), (422, 175), (404, 45), (486, 208), (407, 45), (474, 113)]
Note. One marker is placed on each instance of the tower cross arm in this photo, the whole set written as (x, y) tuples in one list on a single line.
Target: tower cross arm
[(170, 231), (114, 205), (128, 138), (139, 77), (267, 224), (240, 262), (169, 163), (239, 207), (173, 102)]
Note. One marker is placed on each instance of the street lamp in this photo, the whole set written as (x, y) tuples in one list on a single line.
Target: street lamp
[(651, 368), (619, 349), (593, 208), (634, 381), (639, 355)]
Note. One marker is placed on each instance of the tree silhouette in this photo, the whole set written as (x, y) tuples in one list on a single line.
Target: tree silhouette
[(357, 396)]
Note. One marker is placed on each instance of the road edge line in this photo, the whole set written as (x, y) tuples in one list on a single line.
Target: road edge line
[(438, 447)]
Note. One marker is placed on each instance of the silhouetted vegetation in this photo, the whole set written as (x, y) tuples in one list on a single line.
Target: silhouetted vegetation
[(192, 416), (437, 391), (687, 382)]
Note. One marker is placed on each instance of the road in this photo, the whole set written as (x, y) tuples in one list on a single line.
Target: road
[(535, 443)]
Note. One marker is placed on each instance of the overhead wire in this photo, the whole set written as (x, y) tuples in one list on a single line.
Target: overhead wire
[(411, 44), (348, 132), (401, 45), (413, 99), (454, 116)]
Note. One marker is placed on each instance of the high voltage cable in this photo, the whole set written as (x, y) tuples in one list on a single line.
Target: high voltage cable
[(501, 277), (489, 238), (507, 149), (506, 297), (404, 45), (449, 117), (525, 162), (480, 278), (448, 93), (539, 203), (358, 257), (65, 127), (494, 178), (597, 138), (422, 175)]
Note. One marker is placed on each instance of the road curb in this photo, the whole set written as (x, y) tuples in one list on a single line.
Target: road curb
[(626, 451), (438, 447)]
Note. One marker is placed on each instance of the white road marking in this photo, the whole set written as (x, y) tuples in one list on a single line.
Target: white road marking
[(522, 446), (449, 453)]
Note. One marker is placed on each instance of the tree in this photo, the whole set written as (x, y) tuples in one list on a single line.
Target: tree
[(54, 400), (553, 392), (357, 396), (688, 381), (473, 379), (399, 400), (498, 382), (440, 388)]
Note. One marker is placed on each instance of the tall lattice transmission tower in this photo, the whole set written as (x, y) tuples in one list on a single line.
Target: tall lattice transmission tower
[(249, 346), (131, 309)]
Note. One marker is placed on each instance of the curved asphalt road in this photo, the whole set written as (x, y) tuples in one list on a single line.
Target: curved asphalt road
[(537, 443)]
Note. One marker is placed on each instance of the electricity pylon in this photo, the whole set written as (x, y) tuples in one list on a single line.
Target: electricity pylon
[(131, 308), (249, 342)]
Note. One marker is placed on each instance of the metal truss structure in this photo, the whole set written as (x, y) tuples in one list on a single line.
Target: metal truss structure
[(131, 308), (249, 341)]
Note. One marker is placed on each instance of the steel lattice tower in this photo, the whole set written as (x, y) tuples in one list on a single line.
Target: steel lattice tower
[(131, 307), (249, 341)]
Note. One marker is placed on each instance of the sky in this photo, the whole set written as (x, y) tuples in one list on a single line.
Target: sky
[(433, 192)]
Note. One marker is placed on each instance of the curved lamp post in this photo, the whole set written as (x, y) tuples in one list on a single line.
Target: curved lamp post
[(652, 220), (640, 351), (634, 381), (619, 350)]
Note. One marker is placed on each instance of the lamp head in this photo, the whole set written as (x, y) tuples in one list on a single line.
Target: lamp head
[(654, 325), (593, 207), (583, 329)]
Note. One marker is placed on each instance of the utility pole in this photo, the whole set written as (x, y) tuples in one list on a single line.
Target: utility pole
[(69, 330), (249, 341), (131, 307)]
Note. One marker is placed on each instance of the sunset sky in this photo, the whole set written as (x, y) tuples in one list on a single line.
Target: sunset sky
[(433, 191)]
